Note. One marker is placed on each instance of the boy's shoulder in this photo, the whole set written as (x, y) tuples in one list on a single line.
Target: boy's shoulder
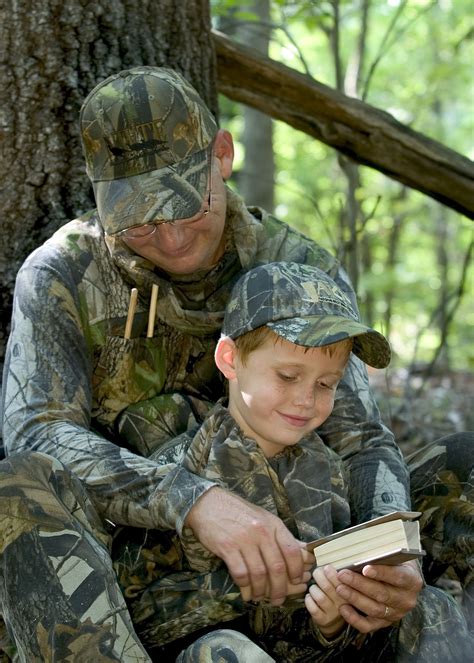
[(283, 242)]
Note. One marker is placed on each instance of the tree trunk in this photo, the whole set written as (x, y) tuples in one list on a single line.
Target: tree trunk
[(392, 259), (256, 181), (351, 215), (53, 54)]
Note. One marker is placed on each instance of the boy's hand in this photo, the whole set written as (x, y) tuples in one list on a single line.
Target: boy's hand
[(254, 544), (384, 594), (323, 603)]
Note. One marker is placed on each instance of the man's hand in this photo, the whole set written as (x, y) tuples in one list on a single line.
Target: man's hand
[(291, 590), (384, 594), (255, 545)]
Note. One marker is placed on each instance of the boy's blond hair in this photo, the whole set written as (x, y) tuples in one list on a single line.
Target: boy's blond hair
[(252, 340)]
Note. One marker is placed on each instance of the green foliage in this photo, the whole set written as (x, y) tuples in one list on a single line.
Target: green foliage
[(240, 10), (416, 63)]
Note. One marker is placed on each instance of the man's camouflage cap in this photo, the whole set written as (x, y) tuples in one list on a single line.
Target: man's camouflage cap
[(147, 137), (303, 305)]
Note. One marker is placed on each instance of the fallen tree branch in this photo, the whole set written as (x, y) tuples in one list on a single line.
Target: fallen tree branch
[(364, 133)]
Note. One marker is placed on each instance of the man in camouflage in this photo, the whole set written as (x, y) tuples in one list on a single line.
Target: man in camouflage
[(95, 402)]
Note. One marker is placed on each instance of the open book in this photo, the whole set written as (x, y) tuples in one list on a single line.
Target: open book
[(389, 539)]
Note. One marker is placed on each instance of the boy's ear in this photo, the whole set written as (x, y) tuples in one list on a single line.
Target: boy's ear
[(224, 356)]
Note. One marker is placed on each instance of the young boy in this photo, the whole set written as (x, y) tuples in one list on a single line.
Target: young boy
[(287, 336), (286, 339)]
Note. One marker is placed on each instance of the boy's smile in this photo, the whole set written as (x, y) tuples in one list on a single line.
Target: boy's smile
[(295, 420), (284, 391)]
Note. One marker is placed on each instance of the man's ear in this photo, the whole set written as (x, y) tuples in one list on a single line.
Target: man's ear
[(224, 356), (224, 151)]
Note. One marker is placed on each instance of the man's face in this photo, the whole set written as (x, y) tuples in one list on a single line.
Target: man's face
[(183, 247), (283, 392)]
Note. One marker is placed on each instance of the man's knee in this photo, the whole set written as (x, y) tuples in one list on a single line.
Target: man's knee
[(28, 464), (38, 491), (435, 630), (447, 462)]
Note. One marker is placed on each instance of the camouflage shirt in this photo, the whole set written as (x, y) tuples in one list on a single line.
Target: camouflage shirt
[(70, 373), (304, 485)]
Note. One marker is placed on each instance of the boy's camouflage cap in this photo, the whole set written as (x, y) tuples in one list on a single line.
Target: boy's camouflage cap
[(147, 137), (303, 305)]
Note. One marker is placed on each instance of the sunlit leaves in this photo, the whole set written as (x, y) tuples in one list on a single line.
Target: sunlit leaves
[(417, 64)]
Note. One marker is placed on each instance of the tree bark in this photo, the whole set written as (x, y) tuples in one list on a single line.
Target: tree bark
[(256, 180), (53, 53), (366, 134)]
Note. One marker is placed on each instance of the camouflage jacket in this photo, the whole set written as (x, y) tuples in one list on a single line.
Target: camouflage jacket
[(305, 485), (69, 372)]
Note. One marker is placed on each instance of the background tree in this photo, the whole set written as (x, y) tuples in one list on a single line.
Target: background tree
[(382, 52), (254, 170), (53, 52)]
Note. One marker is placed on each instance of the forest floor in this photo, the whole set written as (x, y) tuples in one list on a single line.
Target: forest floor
[(419, 410)]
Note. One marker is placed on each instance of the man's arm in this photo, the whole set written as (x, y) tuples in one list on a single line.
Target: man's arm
[(47, 404), (257, 548), (378, 475), (378, 484), (47, 407)]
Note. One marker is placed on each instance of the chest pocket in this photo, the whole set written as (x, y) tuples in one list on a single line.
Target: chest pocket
[(126, 371)]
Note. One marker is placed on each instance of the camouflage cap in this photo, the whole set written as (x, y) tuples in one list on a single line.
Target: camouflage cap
[(147, 137), (303, 305)]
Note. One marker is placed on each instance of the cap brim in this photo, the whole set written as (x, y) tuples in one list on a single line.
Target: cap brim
[(169, 193), (320, 330)]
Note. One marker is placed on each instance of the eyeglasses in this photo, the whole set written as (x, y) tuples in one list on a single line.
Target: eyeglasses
[(140, 232), (148, 229)]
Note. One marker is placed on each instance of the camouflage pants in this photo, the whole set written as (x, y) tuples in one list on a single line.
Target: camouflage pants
[(434, 632), (58, 591), (61, 600)]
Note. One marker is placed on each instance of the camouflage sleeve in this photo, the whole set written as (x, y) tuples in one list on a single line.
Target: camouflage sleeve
[(180, 603), (47, 404), (378, 474)]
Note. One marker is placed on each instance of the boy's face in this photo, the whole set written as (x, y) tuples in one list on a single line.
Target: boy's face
[(284, 391)]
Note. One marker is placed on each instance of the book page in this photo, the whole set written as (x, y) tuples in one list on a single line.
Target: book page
[(403, 515), (369, 538)]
